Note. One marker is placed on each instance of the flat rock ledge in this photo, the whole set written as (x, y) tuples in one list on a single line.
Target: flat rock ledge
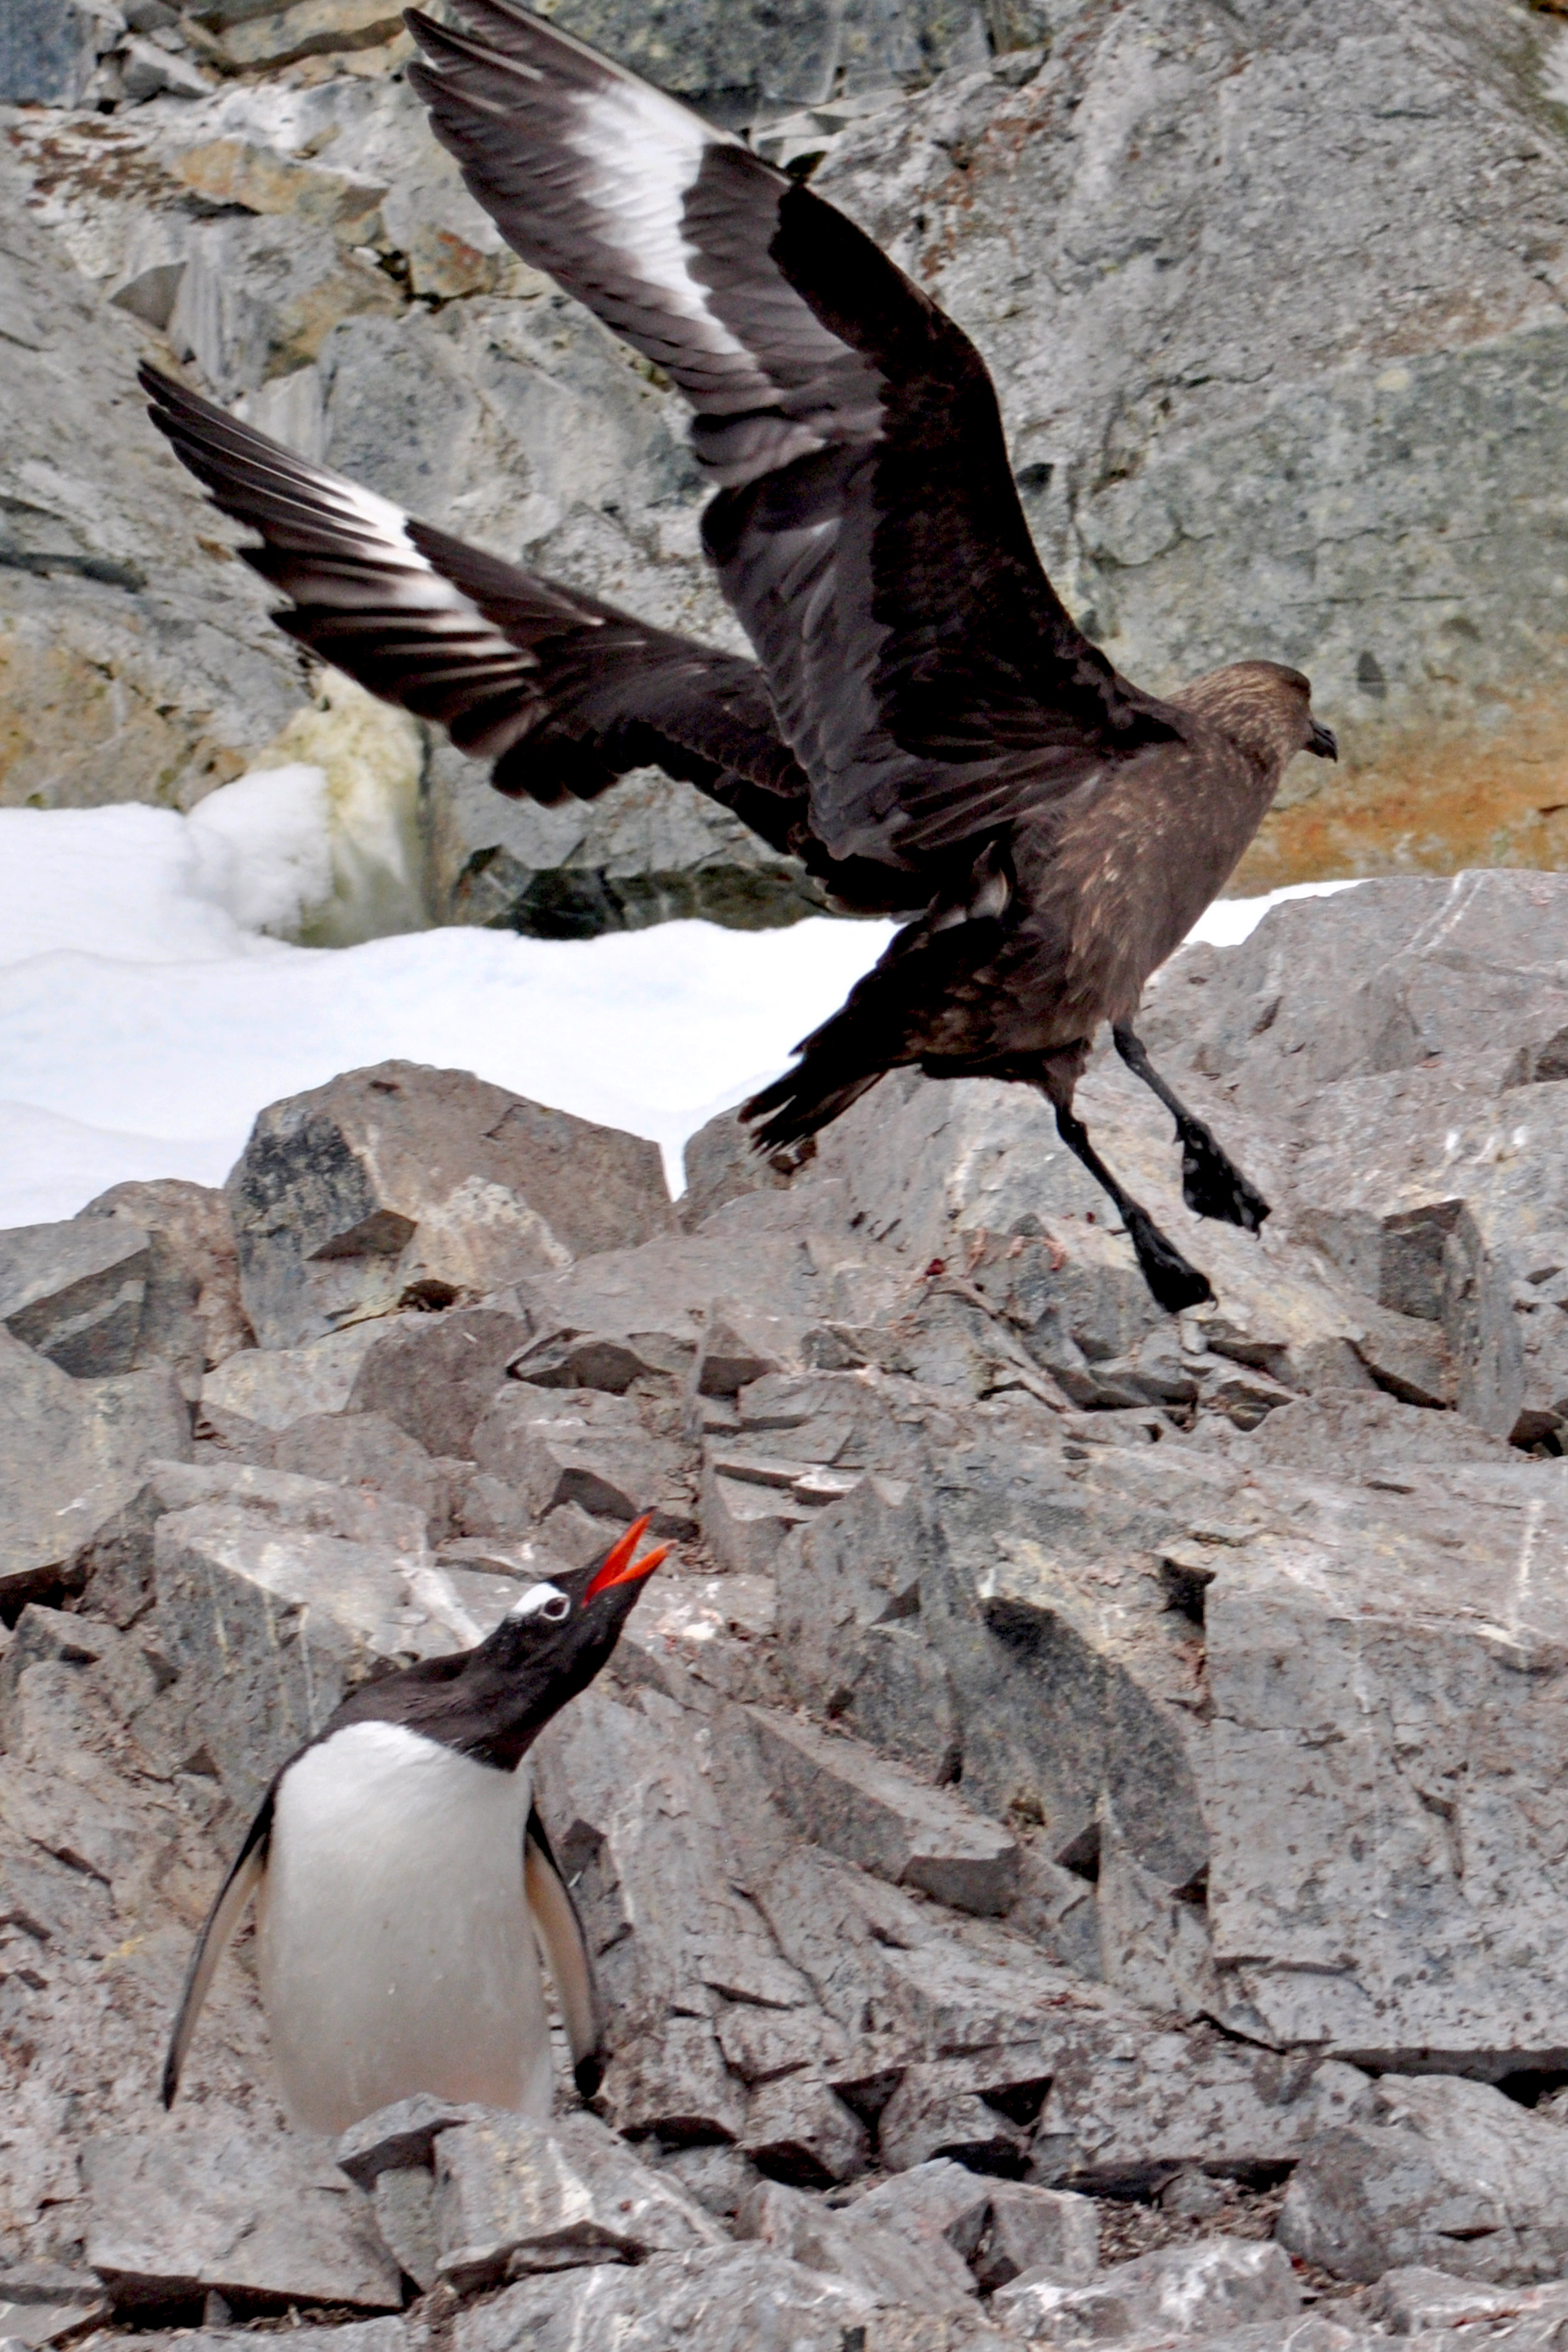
[(1073, 1839)]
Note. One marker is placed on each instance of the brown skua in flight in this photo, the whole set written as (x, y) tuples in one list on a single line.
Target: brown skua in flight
[(925, 727)]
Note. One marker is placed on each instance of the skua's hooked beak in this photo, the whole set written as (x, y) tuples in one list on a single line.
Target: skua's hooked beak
[(1323, 742)]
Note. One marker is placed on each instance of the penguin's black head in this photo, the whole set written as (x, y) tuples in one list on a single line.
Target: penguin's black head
[(558, 1636), (493, 1702)]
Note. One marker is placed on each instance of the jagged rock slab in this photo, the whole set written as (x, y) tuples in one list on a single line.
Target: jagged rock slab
[(192, 1315), (76, 1293), (402, 1185), (799, 2131), (726, 2300), (925, 2273), (1129, 2105), (366, 1449), (635, 1822), (71, 1452), (173, 2215), (1178, 2293), (270, 1388), (268, 1621), (513, 2197), (847, 1799), (1385, 1672), (1445, 2173), (436, 1375), (1412, 2300), (560, 1447)]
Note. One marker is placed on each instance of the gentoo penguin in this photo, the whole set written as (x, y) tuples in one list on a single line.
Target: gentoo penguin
[(404, 1882)]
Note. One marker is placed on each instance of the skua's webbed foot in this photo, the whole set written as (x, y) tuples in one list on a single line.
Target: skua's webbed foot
[(1211, 1183), (1174, 1282)]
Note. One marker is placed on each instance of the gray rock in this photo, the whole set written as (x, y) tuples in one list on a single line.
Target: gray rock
[(403, 2202), (76, 1293), (71, 1456), (1445, 2174), (1177, 2293), (798, 2131), (1129, 2105), (1364, 1936), (939, 2111), (633, 1816), (730, 2299), (940, 2200), (1414, 2301), (48, 1635), (366, 1449), (47, 54), (558, 1447), (1035, 2229), (435, 1375), (400, 2137), (672, 2084), (175, 2214), (295, 1624), (716, 2176), (45, 2303), (402, 1186), (761, 2045), (514, 2196), (192, 1315), (271, 1387), (721, 1165), (864, 1809), (926, 2274)]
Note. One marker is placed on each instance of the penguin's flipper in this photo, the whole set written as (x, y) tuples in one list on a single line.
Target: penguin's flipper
[(235, 1891), (565, 1945)]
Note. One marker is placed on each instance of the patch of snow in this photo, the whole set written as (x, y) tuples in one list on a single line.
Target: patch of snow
[(145, 1018)]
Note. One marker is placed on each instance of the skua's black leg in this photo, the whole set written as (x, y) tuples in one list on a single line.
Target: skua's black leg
[(1173, 1281), (1211, 1183)]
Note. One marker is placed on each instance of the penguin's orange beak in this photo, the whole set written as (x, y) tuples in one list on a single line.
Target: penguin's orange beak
[(619, 1567)]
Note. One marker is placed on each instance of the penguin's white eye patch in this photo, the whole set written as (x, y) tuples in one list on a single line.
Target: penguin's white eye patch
[(544, 1600)]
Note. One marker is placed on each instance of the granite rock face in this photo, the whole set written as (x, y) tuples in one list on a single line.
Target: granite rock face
[(1258, 376), (1083, 1793)]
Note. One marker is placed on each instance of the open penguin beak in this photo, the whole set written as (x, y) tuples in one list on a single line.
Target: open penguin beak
[(619, 1566), (1323, 742)]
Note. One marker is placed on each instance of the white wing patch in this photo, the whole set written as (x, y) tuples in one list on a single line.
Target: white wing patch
[(646, 151)]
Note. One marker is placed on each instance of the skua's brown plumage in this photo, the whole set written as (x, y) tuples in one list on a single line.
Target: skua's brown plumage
[(925, 727)]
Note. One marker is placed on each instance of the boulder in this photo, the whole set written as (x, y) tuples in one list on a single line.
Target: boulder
[(273, 1603), (580, 1446), (265, 1389), (799, 2131), (926, 2274), (366, 1449), (843, 1797), (435, 1375), (193, 1316), (174, 2215), (1443, 2173), (71, 1455), (513, 2197), (76, 1293), (404, 1186), (1174, 2294), (725, 2299)]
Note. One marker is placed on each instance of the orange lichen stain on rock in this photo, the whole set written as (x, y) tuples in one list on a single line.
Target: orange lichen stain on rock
[(1426, 801)]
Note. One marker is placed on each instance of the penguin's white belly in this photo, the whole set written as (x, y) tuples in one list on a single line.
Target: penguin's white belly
[(396, 1950)]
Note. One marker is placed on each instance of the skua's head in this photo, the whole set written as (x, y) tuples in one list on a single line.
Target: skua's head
[(1263, 707)]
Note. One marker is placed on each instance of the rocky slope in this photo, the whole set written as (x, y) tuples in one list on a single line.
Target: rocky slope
[(1273, 298), (1073, 1838)]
